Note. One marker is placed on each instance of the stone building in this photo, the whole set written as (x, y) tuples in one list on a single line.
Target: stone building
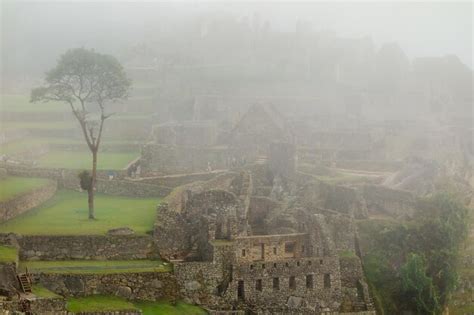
[(260, 126), (235, 247)]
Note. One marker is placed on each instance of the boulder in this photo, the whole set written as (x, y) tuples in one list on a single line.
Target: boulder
[(124, 291)]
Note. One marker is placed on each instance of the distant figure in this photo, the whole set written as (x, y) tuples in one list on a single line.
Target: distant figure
[(110, 175), (209, 168)]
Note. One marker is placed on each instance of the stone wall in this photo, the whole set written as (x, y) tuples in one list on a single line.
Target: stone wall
[(8, 280), (288, 285), (271, 247), (26, 201), (131, 188), (384, 200), (180, 179), (199, 282), (343, 238), (259, 208), (168, 159), (69, 179), (94, 247), (55, 173), (50, 306), (343, 199), (356, 296), (204, 283), (147, 286)]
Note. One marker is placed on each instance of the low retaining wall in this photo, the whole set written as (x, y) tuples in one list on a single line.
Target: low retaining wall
[(179, 179), (131, 188), (87, 247), (58, 174), (118, 186), (55, 306), (147, 286), (26, 201)]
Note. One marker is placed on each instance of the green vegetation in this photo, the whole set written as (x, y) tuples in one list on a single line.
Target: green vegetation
[(96, 266), (412, 266), (14, 186), (347, 254), (418, 287), (82, 160), (41, 291), (98, 303), (66, 214), (21, 103), (166, 308), (8, 254)]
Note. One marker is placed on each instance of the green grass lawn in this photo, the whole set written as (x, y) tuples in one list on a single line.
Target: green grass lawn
[(8, 254), (41, 291), (83, 160), (95, 266), (97, 303), (14, 186), (66, 214), (21, 103)]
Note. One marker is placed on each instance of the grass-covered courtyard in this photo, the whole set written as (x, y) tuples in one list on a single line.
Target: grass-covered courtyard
[(66, 214), (11, 187), (101, 303)]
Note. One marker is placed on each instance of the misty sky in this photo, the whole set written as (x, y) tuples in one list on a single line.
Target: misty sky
[(421, 28)]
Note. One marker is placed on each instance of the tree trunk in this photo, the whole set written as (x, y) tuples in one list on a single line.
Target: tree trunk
[(92, 187)]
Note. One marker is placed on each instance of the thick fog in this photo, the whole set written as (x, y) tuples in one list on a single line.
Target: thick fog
[(35, 32), (236, 157)]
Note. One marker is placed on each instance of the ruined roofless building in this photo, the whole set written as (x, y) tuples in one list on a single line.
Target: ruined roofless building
[(236, 249)]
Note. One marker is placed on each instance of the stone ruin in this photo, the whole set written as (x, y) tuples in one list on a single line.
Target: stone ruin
[(236, 246)]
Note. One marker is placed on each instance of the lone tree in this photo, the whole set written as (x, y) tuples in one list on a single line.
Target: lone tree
[(87, 81)]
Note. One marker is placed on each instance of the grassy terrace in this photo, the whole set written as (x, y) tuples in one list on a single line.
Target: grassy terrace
[(66, 214), (54, 125), (8, 254), (14, 186), (41, 291), (23, 145), (95, 267), (97, 303), (21, 103), (82, 160)]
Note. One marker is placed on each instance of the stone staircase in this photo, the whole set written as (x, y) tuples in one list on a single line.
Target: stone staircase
[(25, 282)]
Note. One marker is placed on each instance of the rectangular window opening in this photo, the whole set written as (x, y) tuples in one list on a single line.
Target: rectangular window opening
[(276, 283), (292, 283), (309, 281)]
